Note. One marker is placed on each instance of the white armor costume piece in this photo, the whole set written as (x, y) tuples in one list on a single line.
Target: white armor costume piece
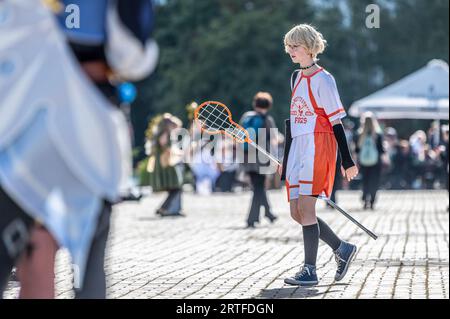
[(64, 148)]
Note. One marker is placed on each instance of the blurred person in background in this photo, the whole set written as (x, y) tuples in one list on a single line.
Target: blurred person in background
[(402, 166), (419, 147), (165, 163), (227, 165), (204, 156), (258, 122), (432, 168), (204, 165), (369, 149), (434, 135), (391, 147), (444, 154)]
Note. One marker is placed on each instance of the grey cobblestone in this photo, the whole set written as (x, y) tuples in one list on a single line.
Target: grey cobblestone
[(209, 253)]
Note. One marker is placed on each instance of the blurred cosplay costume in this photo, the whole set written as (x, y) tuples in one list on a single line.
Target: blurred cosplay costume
[(64, 148)]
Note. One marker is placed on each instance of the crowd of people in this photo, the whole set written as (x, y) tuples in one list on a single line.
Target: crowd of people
[(419, 162), (387, 161)]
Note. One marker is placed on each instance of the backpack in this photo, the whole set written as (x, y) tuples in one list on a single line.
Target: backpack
[(368, 155), (252, 124), (294, 78)]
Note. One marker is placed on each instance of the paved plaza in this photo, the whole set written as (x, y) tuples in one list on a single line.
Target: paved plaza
[(210, 254)]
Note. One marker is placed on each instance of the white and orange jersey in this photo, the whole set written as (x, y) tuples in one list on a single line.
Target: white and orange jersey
[(315, 103)]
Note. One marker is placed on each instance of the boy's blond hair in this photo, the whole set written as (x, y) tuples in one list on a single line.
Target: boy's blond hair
[(306, 36)]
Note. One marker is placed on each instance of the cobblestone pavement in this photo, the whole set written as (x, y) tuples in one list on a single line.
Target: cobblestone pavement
[(210, 253)]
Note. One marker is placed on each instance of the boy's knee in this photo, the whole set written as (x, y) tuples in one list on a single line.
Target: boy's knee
[(301, 211), (296, 216)]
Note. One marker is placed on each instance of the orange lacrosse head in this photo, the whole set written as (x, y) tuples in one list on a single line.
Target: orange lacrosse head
[(215, 118)]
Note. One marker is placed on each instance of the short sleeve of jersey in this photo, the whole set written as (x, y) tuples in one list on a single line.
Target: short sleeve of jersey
[(329, 98)]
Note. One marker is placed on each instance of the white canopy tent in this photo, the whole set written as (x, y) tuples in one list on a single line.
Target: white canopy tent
[(420, 95)]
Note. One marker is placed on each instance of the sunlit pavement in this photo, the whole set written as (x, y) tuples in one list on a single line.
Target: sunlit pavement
[(210, 254)]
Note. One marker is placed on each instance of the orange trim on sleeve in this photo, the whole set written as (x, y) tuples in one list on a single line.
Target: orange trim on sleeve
[(306, 182), (336, 112)]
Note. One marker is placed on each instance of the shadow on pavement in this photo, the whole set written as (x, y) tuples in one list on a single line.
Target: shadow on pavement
[(246, 228), (298, 292), (149, 218), (294, 292)]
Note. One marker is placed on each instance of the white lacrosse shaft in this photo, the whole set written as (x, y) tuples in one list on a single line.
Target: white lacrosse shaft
[(329, 201), (262, 150)]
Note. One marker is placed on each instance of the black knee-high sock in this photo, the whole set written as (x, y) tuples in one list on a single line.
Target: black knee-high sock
[(311, 235), (328, 235)]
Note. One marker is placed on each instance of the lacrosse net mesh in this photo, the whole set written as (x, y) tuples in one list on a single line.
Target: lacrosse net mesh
[(215, 118)]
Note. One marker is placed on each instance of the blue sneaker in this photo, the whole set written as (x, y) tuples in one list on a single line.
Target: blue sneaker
[(305, 277), (343, 256)]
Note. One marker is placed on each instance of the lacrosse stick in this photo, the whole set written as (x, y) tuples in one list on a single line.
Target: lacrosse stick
[(215, 118)]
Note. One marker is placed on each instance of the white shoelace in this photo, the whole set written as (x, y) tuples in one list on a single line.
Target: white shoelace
[(338, 259), (302, 271)]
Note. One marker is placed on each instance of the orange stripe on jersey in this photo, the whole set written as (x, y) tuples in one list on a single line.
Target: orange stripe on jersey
[(331, 165), (322, 122), (336, 112), (305, 182), (324, 163), (325, 150)]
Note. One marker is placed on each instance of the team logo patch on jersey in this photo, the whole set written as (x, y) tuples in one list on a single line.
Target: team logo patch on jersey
[(300, 109)]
